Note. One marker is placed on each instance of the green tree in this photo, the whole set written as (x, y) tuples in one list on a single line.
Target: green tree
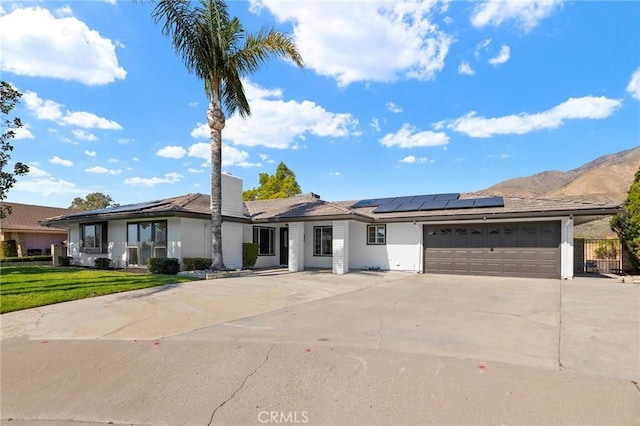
[(218, 50), (9, 97), (627, 223), (93, 201), (282, 184)]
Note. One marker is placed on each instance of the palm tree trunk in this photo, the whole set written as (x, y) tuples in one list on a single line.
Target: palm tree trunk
[(216, 121)]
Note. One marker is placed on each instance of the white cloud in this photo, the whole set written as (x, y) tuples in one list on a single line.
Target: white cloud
[(124, 141), (393, 107), (482, 46), (23, 133), (503, 56), (85, 136), (167, 178), (37, 44), (90, 153), (375, 124), (409, 137), (231, 156), (334, 174), (193, 104), (465, 68), (172, 152), (191, 170), (64, 11), (60, 161), (34, 171), (45, 109), (136, 159), (276, 123), (48, 186), (102, 170), (634, 85), (588, 107), (358, 41), (410, 159), (526, 13)]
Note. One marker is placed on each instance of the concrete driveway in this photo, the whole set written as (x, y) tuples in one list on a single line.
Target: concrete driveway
[(314, 348)]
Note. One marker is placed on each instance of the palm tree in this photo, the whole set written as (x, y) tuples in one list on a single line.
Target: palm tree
[(218, 50)]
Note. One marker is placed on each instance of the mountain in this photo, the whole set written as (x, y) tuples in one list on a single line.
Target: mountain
[(606, 178)]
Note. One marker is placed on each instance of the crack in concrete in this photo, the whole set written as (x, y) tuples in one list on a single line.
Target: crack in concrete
[(39, 318), (636, 384), (523, 316), (125, 326), (560, 366), (381, 334), (74, 421), (241, 385)]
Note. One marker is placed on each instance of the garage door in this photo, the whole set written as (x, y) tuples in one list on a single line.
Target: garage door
[(529, 249)]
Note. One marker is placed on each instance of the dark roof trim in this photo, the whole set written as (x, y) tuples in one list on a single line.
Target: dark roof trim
[(346, 216), (65, 221)]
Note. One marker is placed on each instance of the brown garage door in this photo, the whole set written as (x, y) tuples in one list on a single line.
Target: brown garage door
[(529, 249)]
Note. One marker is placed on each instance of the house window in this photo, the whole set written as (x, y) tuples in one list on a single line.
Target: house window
[(377, 234), (322, 241), (93, 238), (265, 238), (146, 240)]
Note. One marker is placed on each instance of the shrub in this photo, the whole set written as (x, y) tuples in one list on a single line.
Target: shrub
[(8, 248), (249, 255), (102, 263), (65, 260), (607, 249), (42, 258), (196, 263), (163, 265)]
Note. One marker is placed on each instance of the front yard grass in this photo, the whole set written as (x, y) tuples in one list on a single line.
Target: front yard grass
[(23, 287)]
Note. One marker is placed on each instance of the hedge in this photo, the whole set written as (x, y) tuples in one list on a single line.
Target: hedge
[(249, 255), (8, 249), (102, 263), (163, 265), (196, 263), (41, 258)]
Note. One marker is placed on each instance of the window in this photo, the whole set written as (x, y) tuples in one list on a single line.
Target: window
[(93, 238), (376, 234), (146, 240), (265, 238), (322, 241)]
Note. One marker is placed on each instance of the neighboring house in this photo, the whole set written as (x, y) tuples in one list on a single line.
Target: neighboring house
[(23, 226), (438, 233)]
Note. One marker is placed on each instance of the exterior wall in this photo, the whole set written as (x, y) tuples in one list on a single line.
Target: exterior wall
[(296, 246), (311, 261), (340, 246), (43, 241), (232, 204), (268, 261), (232, 246), (402, 251), (195, 235)]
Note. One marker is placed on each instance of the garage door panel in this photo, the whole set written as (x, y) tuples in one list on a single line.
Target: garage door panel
[(512, 249)]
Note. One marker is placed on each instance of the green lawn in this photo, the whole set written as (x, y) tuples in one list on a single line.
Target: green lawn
[(23, 287)]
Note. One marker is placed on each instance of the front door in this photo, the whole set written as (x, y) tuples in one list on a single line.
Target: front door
[(284, 246)]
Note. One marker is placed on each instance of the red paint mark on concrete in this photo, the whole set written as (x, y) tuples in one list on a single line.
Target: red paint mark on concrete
[(308, 350), (45, 341), (481, 368), (156, 344)]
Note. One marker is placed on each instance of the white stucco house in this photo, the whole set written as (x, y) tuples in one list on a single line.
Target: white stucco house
[(432, 233)]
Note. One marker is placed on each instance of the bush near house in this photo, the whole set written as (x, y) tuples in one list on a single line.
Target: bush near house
[(8, 248), (249, 255), (65, 260), (102, 263), (196, 263), (163, 265), (43, 258)]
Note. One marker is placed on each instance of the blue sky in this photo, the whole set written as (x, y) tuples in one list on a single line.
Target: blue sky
[(396, 98)]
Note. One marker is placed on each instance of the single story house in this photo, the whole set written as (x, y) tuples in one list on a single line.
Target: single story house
[(23, 226), (433, 233)]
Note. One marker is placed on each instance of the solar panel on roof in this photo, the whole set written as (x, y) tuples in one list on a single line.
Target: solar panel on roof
[(434, 205), (460, 204), (411, 206), (388, 208), (363, 203), (489, 202), (451, 196)]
